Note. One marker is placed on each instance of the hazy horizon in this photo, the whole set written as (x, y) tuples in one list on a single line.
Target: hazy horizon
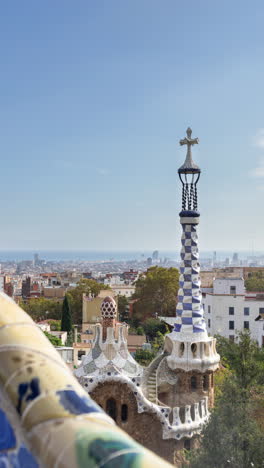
[(111, 255)]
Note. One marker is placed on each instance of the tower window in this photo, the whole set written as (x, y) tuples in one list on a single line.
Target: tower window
[(181, 349), (246, 310), (124, 413), (193, 382), (194, 349), (209, 323), (231, 325), (209, 309), (111, 408), (232, 289), (231, 310)]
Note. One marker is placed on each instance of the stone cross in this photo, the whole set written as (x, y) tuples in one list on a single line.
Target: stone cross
[(189, 141)]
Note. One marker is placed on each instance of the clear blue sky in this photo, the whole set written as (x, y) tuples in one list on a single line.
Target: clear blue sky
[(95, 95)]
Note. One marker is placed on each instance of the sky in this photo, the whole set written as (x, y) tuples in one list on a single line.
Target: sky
[(94, 98)]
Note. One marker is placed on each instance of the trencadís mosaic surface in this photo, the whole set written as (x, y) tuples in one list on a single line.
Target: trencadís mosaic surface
[(46, 418)]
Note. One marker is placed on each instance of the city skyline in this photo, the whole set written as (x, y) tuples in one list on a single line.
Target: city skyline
[(95, 99)]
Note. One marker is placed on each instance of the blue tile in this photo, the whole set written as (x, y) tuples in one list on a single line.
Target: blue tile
[(187, 292), (23, 459), (198, 329), (196, 313), (77, 404), (7, 435), (186, 320), (196, 300), (187, 277), (4, 461)]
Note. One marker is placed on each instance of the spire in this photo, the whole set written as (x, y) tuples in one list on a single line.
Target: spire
[(189, 174), (189, 165), (189, 311), (189, 346)]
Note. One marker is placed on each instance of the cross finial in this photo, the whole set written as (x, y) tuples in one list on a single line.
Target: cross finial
[(189, 164), (189, 140)]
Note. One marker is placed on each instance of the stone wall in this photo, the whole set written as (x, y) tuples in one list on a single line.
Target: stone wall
[(145, 427), (182, 393)]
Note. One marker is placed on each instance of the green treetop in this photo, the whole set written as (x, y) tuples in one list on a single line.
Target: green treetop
[(156, 292), (233, 436)]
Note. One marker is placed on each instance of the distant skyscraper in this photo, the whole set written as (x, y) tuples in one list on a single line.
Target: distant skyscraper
[(235, 258), (36, 259), (155, 255), (214, 258), (149, 261)]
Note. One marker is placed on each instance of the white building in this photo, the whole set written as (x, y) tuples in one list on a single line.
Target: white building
[(123, 289), (229, 309)]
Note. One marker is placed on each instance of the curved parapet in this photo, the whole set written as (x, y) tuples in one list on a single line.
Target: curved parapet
[(58, 422), (191, 355)]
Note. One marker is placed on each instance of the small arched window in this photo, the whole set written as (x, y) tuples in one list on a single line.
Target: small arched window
[(187, 444), (111, 408), (181, 349), (124, 413), (194, 349), (193, 382)]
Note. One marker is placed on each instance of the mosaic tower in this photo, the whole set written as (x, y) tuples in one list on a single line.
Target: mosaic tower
[(189, 310), (191, 349)]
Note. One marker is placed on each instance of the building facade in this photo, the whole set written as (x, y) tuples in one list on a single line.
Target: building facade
[(229, 309)]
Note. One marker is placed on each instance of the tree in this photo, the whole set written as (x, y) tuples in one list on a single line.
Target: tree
[(84, 286), (156, 293), (42, 309), (66, 318), (55, 341), (144, 356), (244, 357), (158, 343), (233, 437), (153, 326), (55, 325), (122, 302), (255, 281)]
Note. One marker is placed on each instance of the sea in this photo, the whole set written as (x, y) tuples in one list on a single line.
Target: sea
[(111, 255)]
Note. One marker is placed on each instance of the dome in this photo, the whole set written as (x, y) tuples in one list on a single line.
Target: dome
[(109, 308)]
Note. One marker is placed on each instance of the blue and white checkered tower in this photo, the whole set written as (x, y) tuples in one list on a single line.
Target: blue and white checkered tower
[(189, 312), (189, 345)]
